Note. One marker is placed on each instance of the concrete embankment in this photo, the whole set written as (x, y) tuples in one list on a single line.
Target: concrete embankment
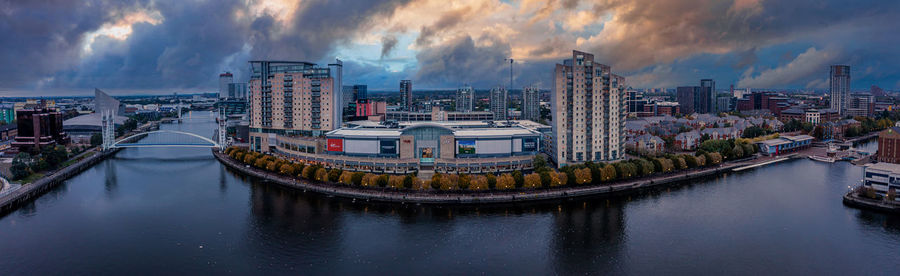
[(464, 197), (853, 200), (28, 192)]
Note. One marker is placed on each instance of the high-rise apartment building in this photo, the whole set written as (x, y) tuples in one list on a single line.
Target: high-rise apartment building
[(225, 79), (588, 112), (708, 95), (237, 90), (839, 82), (406, 95), (499, 105), (465, 99), (293, 98), (531, 103), (860, 105), (688, 98)]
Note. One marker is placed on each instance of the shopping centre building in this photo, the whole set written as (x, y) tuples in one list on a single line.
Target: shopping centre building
[(406, 147)]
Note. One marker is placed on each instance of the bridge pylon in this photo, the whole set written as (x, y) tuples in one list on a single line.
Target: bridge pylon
[(108, 129), (222, 134)]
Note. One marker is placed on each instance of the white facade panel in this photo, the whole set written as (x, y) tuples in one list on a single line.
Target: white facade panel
[(517, 145), (361, 146), (492, 146)]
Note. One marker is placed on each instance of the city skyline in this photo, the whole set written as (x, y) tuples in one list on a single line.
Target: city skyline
[(132, 48)]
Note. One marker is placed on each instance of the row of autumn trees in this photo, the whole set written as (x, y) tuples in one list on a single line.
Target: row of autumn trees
[(543, 175)]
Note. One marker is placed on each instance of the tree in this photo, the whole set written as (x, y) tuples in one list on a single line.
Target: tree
[(261, 163), (447, 183), (506, 182), (55, 155), (286, 169), (322, 174), (539, 162), (369, 180), (357, 178), (346, 178), (479, 183), (21, 166), (519, 178), (532, 181), (491, 181), (271, 166), (819, 132), (382, 180), (690, 160), (408, 181), (436, 181), (334, 175), (96, 139), (583, 176), (463, 181), (738, 151), (754, 131), (609, 173), (396, 181), (309, 172)]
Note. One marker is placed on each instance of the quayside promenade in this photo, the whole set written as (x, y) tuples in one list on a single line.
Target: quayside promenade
[(494, 196)]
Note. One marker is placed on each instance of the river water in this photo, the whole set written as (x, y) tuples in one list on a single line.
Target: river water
[(178, 211)]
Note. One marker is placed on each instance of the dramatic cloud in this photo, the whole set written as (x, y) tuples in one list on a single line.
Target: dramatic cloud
[(166, 46), (811, 63)]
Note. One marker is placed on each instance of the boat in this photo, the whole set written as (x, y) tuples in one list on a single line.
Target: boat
[(822, 158)]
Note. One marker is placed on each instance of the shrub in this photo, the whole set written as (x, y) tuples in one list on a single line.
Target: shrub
[(436, 181), (679, 163), (714, 158), (422, 185), (249, 159), (271, 166)]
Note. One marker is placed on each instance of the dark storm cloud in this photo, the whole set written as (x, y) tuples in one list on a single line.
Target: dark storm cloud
[(460, 62), (40, 38), (317, 27), (194, 41), (448, 20)]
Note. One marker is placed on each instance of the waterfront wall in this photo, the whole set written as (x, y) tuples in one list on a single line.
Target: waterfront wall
[(28, 192), (855, 201), (487, 197)]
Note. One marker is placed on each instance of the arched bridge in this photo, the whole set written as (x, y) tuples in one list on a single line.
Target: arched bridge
[(160, 138), (165, 138)]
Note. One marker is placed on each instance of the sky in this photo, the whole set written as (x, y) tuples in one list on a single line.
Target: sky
[(70, 47)]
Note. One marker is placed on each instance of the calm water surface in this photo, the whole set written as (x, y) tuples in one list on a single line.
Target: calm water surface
[(164, 211)]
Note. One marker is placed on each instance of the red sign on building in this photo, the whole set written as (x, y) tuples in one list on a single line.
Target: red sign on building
[(335, 145)]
